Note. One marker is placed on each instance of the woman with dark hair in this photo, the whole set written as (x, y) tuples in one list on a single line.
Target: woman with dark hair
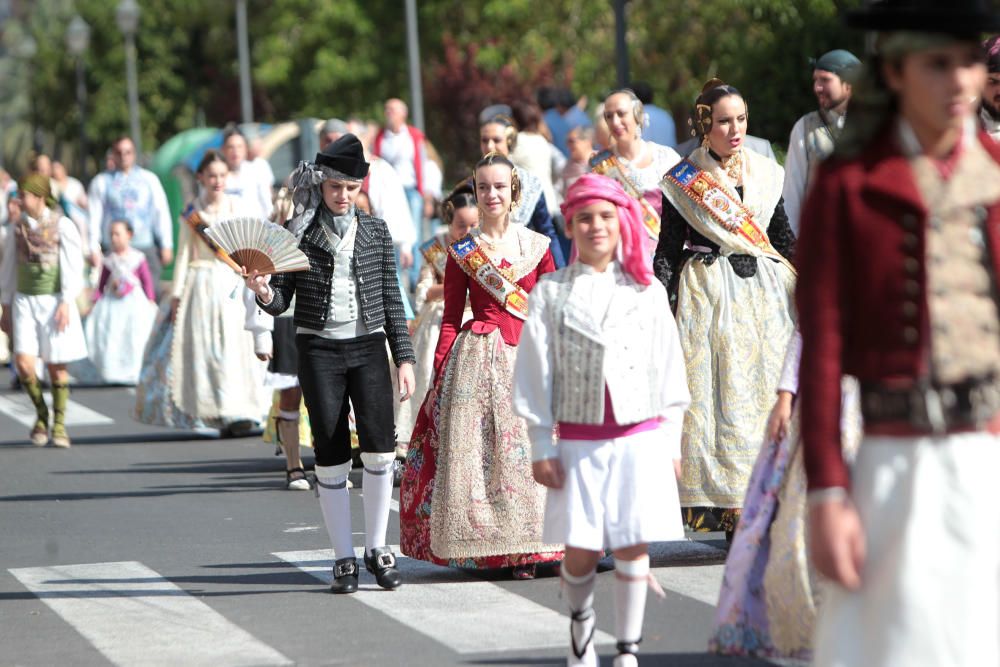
[(461, 216), (499, 135), (199, 368), (535, 153), (467, 497), (724, 254)]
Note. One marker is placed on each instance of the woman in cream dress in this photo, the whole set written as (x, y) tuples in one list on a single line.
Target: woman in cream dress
[(199, 368)]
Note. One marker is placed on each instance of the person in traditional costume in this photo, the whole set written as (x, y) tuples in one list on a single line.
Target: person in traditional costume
[(41, 274), (815, 134), (199, 369), (770, 594), (600, 364), (989, 108), (724, 255), (899, 261), (637, 164), (121, 321), (498, 135), (346, 306), (461, 216), (467, 498)]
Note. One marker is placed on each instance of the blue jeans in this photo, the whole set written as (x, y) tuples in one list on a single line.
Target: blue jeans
[(416, 202)]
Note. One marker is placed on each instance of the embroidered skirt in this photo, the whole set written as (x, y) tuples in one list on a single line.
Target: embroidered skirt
[(733, 332), (767, 606), (467, 497), (425, 336)]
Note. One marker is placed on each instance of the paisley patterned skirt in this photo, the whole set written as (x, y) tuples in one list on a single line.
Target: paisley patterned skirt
[(767, 606), (467, 498)]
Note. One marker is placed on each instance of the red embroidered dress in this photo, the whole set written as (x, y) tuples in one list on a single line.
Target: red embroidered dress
[(467, 498)]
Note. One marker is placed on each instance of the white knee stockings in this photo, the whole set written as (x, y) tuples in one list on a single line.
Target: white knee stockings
[(377, 484)]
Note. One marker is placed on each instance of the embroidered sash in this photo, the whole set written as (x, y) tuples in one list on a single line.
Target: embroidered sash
[(606, 163), (199, 227), (478, 266), (722, 208), (436, 255)]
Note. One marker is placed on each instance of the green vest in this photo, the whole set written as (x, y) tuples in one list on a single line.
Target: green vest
[(37, 279)]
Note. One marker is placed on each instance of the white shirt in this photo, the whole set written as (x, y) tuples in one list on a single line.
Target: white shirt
[(398, 150), (797, 170), (388, 200), (136, 196), (250, 185)]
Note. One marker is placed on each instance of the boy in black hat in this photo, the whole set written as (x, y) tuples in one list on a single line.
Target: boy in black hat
[(346, 305), (899, 261)]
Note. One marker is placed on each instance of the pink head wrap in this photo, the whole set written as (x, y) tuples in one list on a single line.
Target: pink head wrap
[(591, 188)]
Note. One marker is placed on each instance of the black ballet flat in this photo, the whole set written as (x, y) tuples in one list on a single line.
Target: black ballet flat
[(345, 576)]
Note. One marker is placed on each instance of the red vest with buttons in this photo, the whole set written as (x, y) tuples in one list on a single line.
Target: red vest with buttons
[(861, 291)]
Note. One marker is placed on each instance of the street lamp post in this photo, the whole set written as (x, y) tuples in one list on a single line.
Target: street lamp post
[(26, 50), (621, 46), (77, 41), (243, 47), (413, 51), (127, 17)]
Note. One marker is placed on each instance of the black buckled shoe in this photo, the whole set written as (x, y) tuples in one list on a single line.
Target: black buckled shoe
[(345, 576), (381, 562)]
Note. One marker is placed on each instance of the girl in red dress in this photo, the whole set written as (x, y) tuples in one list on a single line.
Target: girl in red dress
[(467, 497)]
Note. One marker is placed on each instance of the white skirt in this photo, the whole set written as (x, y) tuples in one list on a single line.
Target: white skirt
[(35, 329), (617, 493), (931, 576), (118, 329)]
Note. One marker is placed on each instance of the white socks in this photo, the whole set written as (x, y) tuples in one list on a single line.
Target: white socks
[(335, 501), (579, 592), (376, 481), (630, 598)]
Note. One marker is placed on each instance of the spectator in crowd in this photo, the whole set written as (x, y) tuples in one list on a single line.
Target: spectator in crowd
[(72, 198), (245, 179), (661, 129), (535, 153), (129, 192), (402, 146), (580, 142)]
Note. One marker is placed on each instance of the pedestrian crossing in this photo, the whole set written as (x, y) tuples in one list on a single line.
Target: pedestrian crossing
[(135, 616), (19, 408)]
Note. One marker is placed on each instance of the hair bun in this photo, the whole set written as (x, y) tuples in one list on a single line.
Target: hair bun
[(714, 82)]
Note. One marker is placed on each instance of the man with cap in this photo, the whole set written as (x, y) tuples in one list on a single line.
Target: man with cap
[(899, 259), (346, 306), (815, 134), (41, 274), (989, 109)]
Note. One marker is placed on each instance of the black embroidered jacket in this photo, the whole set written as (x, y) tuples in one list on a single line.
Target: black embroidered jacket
[(374, 270)]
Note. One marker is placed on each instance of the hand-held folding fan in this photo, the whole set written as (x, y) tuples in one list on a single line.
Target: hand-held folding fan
[(259, 245)]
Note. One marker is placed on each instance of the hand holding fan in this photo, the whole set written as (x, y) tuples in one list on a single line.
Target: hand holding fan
[(259, 245)]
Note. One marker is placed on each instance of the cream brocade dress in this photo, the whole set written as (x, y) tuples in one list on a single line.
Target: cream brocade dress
[(733, 331), (201, 370)]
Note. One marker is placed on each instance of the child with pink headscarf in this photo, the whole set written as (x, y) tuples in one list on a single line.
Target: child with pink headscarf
[(600, 381)]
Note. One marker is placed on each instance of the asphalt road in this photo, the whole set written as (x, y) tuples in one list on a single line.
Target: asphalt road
[(145, 546)]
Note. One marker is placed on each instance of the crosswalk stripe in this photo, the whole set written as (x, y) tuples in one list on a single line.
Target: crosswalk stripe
[(136, 617), (441, 603), (20, 409)]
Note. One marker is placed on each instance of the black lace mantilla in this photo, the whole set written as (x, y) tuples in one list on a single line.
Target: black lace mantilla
[(671, 255)]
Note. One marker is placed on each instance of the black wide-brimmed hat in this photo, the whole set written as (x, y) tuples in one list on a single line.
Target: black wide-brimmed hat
[(955, 17), (346, 156)]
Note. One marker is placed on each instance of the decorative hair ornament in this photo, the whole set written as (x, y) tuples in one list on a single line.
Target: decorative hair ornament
[(635, 254)]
